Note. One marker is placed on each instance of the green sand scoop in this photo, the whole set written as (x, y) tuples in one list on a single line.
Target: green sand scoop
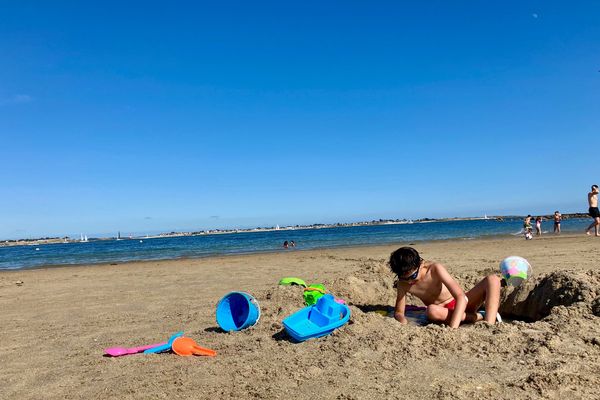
[(292, 281), (313, 293)]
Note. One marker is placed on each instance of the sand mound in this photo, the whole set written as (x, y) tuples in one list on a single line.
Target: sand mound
[(535, 298), (557, 354)]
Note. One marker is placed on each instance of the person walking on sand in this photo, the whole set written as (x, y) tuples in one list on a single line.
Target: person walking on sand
[(527, 227), (527, 224), (538, 226), (593, 210), (557, 219)]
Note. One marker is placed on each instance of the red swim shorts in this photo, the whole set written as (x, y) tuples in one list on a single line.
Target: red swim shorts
[(452, 304)]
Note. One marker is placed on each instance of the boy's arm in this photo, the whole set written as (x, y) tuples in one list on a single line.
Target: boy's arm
[(400, 304), (455, 291)]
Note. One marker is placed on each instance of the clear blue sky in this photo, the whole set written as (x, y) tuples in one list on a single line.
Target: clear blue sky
[(155, 116)]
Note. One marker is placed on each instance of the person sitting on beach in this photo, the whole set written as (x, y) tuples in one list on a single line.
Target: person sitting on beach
[(557, 219), (538, 226), (593, 210), (445, 300)]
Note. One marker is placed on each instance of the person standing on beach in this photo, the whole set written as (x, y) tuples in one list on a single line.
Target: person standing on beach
[(538, 226), (593, 210), (557, 219), (527, 224)]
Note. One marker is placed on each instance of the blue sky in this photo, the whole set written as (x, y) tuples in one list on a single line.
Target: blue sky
[(164, 116)]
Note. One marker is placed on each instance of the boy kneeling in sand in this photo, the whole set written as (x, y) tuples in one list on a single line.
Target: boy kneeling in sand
[(445, 300)]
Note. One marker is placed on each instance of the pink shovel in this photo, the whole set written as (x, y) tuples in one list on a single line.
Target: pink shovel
[(122, 351)]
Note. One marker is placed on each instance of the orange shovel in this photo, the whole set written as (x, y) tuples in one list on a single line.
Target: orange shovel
[(185, 346)]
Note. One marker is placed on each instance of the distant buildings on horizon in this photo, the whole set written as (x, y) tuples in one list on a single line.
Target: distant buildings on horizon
[(67, 239)]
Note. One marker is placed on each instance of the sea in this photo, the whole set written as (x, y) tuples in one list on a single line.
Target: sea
[(164, 248)]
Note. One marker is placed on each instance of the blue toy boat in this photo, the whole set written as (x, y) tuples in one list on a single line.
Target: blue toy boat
[(317, 320)]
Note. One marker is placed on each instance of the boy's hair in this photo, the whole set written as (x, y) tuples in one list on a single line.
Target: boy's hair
[(594, 187), (404, 260)]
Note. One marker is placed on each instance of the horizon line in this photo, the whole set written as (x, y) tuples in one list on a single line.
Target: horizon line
[(139, 234)]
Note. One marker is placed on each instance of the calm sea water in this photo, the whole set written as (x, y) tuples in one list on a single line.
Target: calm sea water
[(20, 257)]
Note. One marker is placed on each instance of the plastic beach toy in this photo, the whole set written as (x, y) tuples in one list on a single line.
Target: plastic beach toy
[(515, 270), (313, 293), (236, 311), (292, 281), (164, 347), (122, 351), (185, 346), (318, 320)]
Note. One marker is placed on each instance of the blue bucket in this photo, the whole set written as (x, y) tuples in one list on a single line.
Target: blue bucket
[(236, 311)]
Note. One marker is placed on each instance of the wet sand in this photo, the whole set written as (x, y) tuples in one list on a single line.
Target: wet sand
[(56, 324)]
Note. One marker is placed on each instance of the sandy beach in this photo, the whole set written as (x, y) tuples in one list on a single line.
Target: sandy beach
[(56, 324)]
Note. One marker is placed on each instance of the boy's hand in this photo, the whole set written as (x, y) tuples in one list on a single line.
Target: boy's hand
[(400, 318), (400, 305)]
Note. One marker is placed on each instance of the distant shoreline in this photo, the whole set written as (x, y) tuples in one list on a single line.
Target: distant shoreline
[(66, 239), (260, 253)]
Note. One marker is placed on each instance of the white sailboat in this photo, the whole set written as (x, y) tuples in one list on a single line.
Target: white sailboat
[(84, 239)]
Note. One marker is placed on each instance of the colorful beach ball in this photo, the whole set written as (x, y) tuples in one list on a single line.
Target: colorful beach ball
[(515, 270)]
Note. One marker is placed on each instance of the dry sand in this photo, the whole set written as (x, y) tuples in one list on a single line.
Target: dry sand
[(56, 324)]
